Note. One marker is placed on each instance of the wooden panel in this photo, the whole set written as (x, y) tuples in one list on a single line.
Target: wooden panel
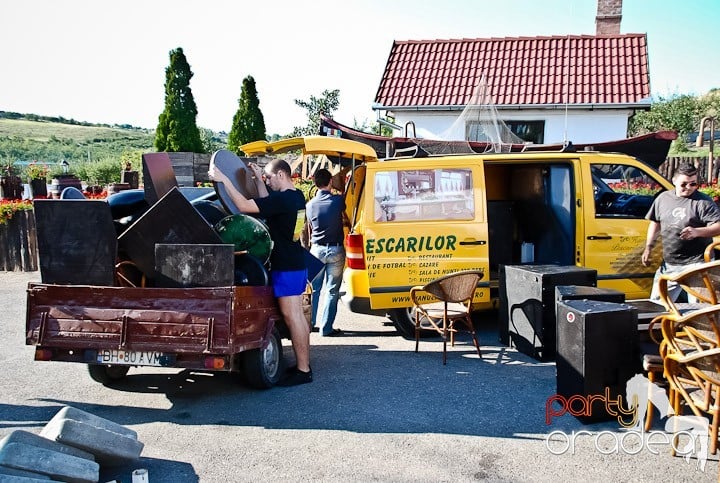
[(158, 176), (76, 241), (172, 220), (193, 265)]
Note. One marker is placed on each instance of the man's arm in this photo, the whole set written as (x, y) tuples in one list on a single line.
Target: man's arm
[(652, 231), (243, 204), (688, 233), (257, 176)]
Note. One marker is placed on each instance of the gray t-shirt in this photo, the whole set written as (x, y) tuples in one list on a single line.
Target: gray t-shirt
[(675, 213), (324, 212)]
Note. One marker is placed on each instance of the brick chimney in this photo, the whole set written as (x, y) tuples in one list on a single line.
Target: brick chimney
[(609, 15)]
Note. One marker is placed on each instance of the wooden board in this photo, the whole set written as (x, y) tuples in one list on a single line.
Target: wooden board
[(199, 265), (172, 220), (77, 242), (158, 176), (240, 176)]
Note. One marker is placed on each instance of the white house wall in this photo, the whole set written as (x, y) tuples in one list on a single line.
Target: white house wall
[(583, 126)]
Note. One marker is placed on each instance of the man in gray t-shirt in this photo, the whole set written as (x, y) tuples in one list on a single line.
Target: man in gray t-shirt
[(325, 217), (686, 220)]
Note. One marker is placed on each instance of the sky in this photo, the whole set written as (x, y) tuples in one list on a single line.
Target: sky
[(104, 62)]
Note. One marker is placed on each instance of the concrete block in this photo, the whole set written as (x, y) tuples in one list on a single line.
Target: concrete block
[(20, 476), (51, 463), (69, 412), (32, 439), (108, 447)]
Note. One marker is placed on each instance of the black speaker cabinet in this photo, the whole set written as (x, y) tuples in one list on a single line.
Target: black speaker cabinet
[(596, 350), (581, 292), (527, 304)]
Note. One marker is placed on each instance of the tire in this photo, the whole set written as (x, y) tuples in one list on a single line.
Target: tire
[(404, 322), (264, 367), (107, 375)]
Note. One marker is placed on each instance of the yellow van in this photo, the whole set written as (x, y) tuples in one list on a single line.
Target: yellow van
[(415, 219)]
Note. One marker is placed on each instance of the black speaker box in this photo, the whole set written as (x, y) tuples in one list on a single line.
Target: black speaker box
[(596, 350), (581, 292), (527, 304)]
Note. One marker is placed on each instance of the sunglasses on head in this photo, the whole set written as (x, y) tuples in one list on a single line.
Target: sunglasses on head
[(691, 184)]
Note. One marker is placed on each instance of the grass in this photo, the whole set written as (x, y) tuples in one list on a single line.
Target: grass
[(44, 131)]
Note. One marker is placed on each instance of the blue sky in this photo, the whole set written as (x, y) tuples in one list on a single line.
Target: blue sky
[(105, 62)]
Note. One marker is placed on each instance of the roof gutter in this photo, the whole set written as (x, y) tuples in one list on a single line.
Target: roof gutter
[(644, 104)]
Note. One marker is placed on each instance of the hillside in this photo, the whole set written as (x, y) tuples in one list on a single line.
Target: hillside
[(46, 141)]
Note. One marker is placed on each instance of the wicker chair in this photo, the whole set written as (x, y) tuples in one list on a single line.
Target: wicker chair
[(449, 302), (691, 363), (701, 282)]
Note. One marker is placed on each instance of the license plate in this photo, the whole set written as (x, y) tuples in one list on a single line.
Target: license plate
[(130, 358)]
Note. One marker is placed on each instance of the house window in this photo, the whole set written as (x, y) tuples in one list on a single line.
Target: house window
[(532, 131)]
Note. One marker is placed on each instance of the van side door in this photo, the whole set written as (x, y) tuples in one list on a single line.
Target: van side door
[(422, 223)]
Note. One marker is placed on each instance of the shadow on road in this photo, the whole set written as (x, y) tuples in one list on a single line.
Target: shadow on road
[(360, 388)]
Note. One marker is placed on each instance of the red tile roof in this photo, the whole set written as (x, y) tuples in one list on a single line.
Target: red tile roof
[(606, 69)]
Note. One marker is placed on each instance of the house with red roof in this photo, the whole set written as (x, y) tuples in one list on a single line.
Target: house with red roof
[(549, 89)]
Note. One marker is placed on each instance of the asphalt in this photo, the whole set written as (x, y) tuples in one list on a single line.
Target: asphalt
[(376, 411)]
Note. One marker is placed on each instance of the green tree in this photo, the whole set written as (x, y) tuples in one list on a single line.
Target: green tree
[(248, 123), (680, 113), (327, 104), (211, 140), (177, 130)]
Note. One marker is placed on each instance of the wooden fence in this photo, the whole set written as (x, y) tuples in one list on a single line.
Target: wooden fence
[(18, 252), (667, 169)]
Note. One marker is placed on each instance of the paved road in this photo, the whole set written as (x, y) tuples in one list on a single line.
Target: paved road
[(376, 411)]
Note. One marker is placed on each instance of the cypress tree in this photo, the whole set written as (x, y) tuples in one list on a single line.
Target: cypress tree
[(177, 130), (248, 123)]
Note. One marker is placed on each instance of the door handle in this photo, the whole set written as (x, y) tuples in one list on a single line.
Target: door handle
[(474, 242), (599, 237)]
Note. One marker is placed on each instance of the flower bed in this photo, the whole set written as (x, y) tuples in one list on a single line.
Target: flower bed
[(712, 190), (8, 208)]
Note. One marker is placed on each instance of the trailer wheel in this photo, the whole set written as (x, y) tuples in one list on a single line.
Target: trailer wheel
[(106, 375), (263, 367)]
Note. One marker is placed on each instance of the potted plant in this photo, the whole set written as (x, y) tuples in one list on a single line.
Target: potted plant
[(37, 174)]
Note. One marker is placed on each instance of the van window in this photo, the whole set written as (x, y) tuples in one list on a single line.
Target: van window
[(622, 191), (424, 194)]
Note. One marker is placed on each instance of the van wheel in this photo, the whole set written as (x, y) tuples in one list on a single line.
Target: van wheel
[(404, 322), (106, 375), (263, 367)]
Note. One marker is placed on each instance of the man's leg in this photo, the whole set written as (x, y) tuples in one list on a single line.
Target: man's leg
[(334, 265), (292, 312), (317, 285)]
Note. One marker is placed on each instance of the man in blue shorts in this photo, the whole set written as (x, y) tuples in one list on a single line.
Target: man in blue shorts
[(280, 207)]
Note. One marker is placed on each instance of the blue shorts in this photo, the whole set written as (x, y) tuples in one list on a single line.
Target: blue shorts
[(290, 283)]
